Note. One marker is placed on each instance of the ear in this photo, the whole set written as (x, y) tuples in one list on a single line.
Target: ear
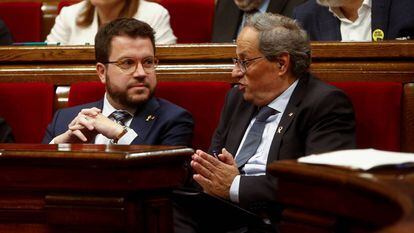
[(284, 63), (101, 71)]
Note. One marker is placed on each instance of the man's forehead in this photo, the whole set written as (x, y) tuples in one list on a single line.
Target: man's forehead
[(125, 44), (248, 40)]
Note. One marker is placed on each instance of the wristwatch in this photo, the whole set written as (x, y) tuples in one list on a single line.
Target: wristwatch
[(119, 136)]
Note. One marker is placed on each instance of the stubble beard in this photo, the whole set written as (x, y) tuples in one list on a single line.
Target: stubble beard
[(122, 97), (333, 3)]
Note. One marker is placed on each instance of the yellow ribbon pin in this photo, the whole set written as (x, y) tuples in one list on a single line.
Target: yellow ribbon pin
[(377, 35)]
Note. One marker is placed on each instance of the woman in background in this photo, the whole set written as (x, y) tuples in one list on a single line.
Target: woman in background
[(77, 24)]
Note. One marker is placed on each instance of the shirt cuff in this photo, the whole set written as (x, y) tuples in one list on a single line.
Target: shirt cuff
[(127, 138), (234, 189)]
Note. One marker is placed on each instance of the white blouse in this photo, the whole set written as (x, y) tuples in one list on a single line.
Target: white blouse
[(67, 32)]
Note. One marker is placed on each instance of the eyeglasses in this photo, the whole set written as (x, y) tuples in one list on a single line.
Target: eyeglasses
[(243, 64), (130, 65)]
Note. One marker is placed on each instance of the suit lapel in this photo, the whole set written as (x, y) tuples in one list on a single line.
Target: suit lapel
[(329, 27), (287, 118), (380, 16), (276, 6), (239, 126), (144, 118)]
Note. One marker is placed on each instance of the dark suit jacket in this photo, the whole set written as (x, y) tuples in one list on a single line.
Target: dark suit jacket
[(172, 125), (5, 36), (6, 135), (393, 17), (318, 118), (227, 17)]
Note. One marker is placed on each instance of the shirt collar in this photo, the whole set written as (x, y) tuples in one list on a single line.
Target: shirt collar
[(263, 7), (338, 13), (108, 109), (282, 100)]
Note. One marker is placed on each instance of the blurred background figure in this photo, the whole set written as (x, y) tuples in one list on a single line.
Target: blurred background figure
[(6, 135), (230, 15), (5, 35), (357, 20), (78, 24)]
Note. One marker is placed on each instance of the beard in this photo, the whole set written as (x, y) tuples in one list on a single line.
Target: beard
[(124, 98), (333, 3), (248, 5)]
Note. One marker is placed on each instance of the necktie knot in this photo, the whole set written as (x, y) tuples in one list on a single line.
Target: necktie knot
[(264, 113), (120, 116)]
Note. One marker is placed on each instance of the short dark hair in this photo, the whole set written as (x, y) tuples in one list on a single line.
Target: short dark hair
[(123, 26)]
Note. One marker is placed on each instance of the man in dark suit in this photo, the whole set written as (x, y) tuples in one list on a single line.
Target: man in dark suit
[(304, 116), (6, 135), (5, 35), (128, 113), (336, 20), (229, 15)]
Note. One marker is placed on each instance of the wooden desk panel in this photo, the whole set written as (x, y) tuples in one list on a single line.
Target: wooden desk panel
[(89, 188), (329, 199)]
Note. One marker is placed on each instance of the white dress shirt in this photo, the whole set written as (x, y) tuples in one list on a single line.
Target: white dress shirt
[(256, 165), (67, 32), (360, 30)]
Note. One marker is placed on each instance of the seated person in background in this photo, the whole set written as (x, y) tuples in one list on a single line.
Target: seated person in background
[(357, 20), (128, 113), (5, 35), (78, 24), (230, 15), (277, 111), (6, 135)]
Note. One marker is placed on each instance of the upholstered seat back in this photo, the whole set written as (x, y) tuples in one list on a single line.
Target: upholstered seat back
[(27, 108)]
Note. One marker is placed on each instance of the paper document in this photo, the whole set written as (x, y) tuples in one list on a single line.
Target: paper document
[(363, 159)]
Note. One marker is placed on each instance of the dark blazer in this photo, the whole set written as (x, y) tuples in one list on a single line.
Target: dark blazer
[(227, 17), (172, 124), (393, 17), (5, 36), (6, 135), (318, 118)]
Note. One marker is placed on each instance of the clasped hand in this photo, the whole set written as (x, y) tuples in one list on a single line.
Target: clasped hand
[(86, 125), (214, 175)]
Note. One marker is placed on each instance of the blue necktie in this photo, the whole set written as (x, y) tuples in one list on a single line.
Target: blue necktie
[(120, 116), (253, 138)]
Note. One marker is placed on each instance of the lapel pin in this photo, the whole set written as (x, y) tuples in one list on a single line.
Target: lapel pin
[(150, 118), (279, 130), (291, 114)]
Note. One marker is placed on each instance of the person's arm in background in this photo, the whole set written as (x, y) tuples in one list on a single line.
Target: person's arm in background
[(6, 135), (61, 30), (5, 35)]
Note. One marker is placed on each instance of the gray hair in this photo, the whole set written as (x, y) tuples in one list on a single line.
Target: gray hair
[(279, 34)]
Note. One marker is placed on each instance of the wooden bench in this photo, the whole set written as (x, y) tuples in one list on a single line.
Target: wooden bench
[(332, 62)]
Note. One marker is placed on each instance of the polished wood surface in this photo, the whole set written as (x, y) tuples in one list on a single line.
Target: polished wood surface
[(89, 188), (333, 199)]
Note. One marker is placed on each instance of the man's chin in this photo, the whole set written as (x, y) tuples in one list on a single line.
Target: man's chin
[(137, 99)]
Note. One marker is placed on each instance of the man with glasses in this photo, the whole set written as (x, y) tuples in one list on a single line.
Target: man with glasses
[(128, 113), (277, 110)]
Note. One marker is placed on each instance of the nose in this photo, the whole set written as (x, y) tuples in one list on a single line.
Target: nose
[(139, 71), (236, 73)]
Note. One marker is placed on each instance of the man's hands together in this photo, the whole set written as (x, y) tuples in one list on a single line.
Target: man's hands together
[(87, 125), (215, 175)]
